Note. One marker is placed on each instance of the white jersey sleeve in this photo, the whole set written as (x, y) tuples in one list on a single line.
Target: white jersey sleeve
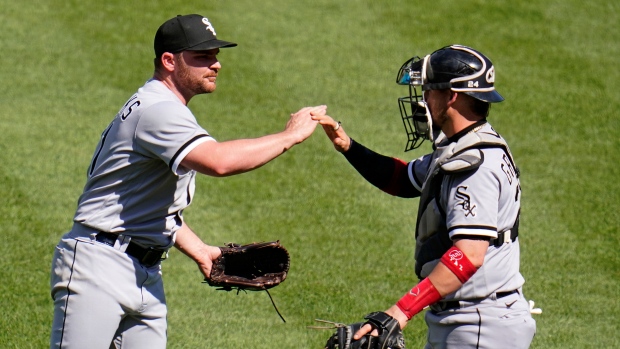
[(169, 133), (482, 202), (471, 204)]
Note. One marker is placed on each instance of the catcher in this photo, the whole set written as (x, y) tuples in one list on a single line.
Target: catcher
[(467, 233)]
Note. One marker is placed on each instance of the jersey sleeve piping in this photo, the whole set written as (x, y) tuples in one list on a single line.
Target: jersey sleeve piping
[(412, 177), (479, 230), (185, 149)]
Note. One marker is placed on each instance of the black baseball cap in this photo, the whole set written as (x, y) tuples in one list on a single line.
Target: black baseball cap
[(187, 33)]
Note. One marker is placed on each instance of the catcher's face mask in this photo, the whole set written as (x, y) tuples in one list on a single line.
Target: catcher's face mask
[(413, 108)]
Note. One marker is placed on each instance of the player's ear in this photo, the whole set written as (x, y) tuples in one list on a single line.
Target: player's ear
[(453, 96), (167, 60)]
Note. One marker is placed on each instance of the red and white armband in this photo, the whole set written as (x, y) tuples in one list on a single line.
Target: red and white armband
[(459, 264), (425, 293)]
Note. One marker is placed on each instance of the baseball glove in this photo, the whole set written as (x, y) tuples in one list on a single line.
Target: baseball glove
[(390, 335), (254, 267)]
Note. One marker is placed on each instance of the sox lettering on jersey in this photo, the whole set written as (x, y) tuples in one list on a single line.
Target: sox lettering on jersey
[(465, 202)]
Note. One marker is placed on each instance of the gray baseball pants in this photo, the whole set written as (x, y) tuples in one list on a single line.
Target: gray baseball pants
[(489, 324), (103, 298)]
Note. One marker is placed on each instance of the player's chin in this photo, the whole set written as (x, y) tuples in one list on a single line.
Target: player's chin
[(208, 87)]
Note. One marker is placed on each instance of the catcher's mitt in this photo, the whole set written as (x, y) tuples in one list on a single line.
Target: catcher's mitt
[(390, 335), (254, 267)]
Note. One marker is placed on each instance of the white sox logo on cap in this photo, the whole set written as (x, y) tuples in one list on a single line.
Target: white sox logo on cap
[(205, 20), (187, 33)]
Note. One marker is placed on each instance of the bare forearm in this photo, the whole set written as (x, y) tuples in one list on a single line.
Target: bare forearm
[(237, 156), (189, 243), (444, 280), (192, 246), (242, 155)]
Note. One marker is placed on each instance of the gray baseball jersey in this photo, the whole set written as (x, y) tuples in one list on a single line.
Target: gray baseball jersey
[(475, 203), (135, 184), (468, 187), (137, 189)]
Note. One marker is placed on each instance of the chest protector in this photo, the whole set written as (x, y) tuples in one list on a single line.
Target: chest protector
[(465, 155)]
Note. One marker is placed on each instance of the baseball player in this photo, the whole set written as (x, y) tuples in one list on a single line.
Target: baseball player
[(467, 245), (106, 278)]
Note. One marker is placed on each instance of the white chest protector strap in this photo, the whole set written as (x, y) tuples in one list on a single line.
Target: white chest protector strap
[(462, 156), (465, 154)]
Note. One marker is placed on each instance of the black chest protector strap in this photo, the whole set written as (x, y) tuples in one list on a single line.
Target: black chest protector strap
[(507, 235)]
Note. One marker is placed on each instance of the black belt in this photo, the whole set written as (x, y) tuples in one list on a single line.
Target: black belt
[(457, 304), (147, 256)]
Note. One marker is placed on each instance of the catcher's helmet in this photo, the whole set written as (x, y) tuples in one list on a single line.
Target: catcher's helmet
[(456, 67)]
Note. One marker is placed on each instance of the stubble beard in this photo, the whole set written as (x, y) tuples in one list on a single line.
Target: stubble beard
[(439, 120), (439, 117), (191, 83)]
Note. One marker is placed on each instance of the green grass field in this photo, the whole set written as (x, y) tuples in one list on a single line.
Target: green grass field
[(68, 66)]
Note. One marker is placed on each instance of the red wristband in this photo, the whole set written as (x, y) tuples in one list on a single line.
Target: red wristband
[(421, 296), (459, 264)]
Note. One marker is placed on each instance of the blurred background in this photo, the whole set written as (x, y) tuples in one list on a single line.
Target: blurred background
[(69, 66)]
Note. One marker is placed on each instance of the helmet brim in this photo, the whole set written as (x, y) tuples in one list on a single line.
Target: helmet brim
[(489, 96)]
